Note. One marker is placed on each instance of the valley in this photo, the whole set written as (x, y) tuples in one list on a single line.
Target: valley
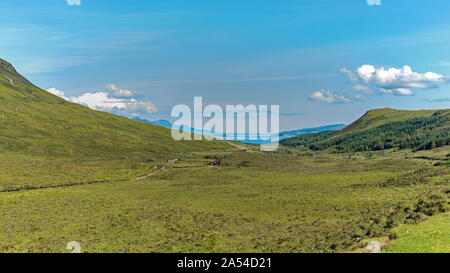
[(70, 173), (253, 202)]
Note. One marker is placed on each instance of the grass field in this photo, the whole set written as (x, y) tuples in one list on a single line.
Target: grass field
[(430, 236), (253, 202)]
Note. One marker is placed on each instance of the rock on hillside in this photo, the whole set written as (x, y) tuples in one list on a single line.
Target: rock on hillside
[(7, 65)]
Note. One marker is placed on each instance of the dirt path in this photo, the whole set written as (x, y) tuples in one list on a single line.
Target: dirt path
[(152, 174), (80, 184), (156, 171), (10, 80), (242, 148), (61, 186)]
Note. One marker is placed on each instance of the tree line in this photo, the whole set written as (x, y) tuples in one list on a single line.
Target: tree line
[(417, 134)]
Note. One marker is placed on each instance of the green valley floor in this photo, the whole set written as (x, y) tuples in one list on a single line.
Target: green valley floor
[(251, 202)]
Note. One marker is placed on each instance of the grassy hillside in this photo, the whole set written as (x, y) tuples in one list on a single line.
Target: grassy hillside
[(33, 121), (378, 117), (46, 141), (308, 139), (384, 129)]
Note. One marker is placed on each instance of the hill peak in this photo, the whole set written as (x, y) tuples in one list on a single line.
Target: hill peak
[(377, 117), (7, 65)]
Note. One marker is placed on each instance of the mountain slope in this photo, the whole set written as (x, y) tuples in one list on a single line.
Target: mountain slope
[(308, 138), (298, 132), (162, 122), (33, 121), (378, 117), (384, 129)]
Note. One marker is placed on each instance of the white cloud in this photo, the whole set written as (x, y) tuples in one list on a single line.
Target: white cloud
[(147, 106), (403, 92), (103, 101), (405, 77), (349, 74), (99, 101), (362, 88), (328, 97), (398, 91), (398, 81), (57, 92), (73, 2), (365, 72), (374, 2), (112, 87), (120, 92)]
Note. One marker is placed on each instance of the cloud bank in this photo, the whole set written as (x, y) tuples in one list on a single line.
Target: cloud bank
[(328, 97), (397, 81), (104, 101), (368, 80), (119, 92)]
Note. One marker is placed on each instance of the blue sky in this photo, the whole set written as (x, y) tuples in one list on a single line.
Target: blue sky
[(323, 62)]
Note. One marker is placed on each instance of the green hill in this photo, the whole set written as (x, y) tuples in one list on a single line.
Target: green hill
[(384, 129), (35, 122), (378, 117)]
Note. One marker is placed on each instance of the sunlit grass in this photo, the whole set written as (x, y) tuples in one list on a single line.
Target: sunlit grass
[(273, 204)]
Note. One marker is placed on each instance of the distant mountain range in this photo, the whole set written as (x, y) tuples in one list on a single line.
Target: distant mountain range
[(283, 135), (162, 122)]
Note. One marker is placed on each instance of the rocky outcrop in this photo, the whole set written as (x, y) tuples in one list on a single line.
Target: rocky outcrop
[(7, 65), (374, 247)]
